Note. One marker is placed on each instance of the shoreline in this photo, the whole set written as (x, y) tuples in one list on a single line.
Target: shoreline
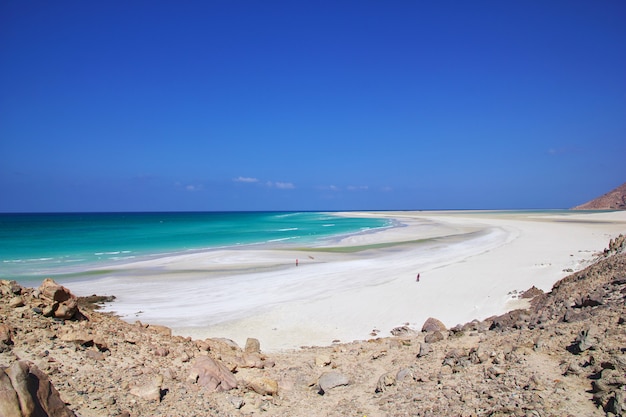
[(470, 264)]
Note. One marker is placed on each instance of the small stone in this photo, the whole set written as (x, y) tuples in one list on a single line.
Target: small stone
[(386, 380), (252, 345), (16, 302), (322, 360), (330, 380), (263, 385), (425, 349), (150, 391), (433, 337)]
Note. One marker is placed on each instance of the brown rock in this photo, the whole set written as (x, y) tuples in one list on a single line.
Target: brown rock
[(150, 390), (60, 302), (5, 334), (16, 302), (10, 287), (212, 375), (51, 291), (403, 331), (263, 385), (164, 330), (9, 402), (67, 309), (37, 396), (252, 345), (432, 325), (433, 337)]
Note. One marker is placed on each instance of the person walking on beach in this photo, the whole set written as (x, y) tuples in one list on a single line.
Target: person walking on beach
[(296, 262), (418, 278)]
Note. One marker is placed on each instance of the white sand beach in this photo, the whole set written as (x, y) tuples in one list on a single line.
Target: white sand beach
[(471, 265)]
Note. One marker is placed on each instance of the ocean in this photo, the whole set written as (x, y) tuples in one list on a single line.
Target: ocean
[(61, 245)]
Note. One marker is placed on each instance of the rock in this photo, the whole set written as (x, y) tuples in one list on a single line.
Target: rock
[(237, 402), (433, 337), (77, 336), (95, 355), (432, 325), (10, 287), (164, 330), (386, 380), (51, 291), (322, 360), (6, 333), (9, 402), (478, 355), (150, 390), (425, 349), (252, 345), (263, 385), (531, 293), (330, 380), (403, 331), (61, 303), (212, 375), (36, 396), (161, 352), (584, 341), (404, 373), (16, 302), (251, 360)]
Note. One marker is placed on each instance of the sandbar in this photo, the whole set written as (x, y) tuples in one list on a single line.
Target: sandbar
[(472, 265)]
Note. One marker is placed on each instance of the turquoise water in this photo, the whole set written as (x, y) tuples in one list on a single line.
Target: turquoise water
[(34, 245)]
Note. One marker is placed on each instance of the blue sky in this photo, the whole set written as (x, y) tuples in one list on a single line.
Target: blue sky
[(310, 105)]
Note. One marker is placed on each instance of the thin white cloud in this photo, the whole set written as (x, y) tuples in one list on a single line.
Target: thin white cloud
[(284, 185), (329, 188), (246, 179), (358, 187), (193, 187)]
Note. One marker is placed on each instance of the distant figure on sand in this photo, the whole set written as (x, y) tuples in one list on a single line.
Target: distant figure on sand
[(418, 278), (296, 262)]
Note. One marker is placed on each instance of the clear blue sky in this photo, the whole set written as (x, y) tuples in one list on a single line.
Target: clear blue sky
[(310, 105)]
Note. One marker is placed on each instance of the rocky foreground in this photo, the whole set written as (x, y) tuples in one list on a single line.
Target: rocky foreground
[(565, 355)]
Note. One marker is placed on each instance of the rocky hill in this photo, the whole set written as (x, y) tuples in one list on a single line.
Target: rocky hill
[(613, 200), (563, 356)]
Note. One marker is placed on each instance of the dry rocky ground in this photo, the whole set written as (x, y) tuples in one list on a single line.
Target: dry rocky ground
[(565, 355)]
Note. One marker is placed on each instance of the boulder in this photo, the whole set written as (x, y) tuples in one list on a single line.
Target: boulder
[(212, 375), (53, 292), (25, 388), (60, 302), (433, 325), (9, 402)]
